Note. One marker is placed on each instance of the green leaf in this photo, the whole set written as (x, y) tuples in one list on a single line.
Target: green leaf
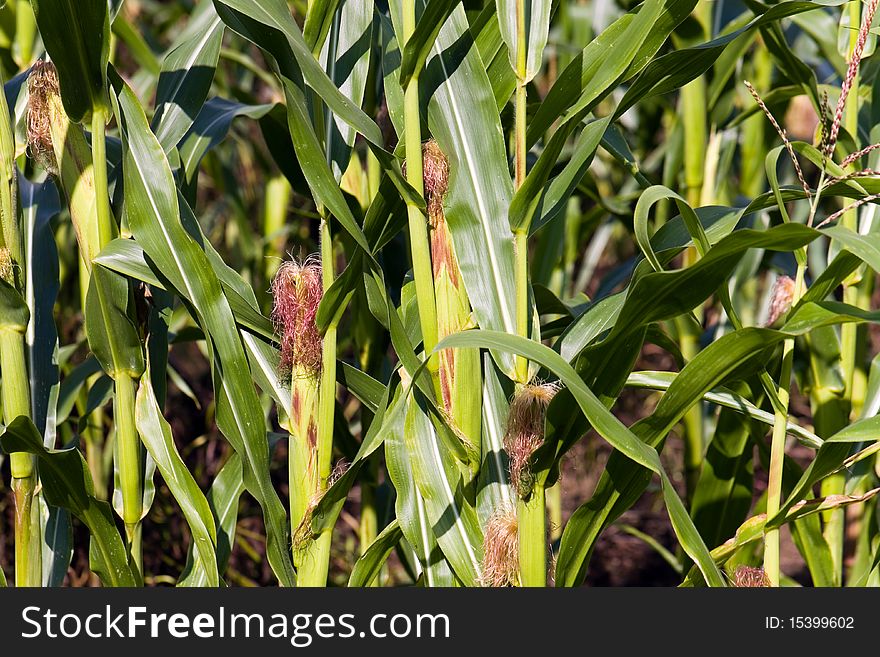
[(39, 205), (753, 528), (646, 201), (156, 435), (346, 58), (609, 427), (829, 459), (657, 296), (368, 565), (14, 313), (187, 74), (535, 198), (319, 19), (127, 257), (409, 505), (210, 127), (723, 494), (269, 24), (866, 247), (314, 165), (419, 45), (154, 218), (726, 398), (326, 512), (113, 338), (537, 28), (608, 60), (57, 543), (676, 69), (67, 483), (76, 34), (223, 498), (453, 520), (493, 483)]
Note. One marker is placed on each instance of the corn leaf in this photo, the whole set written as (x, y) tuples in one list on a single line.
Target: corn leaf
[(68, 484), (76, 34), (155, 433), (154, 217), (186, 76)]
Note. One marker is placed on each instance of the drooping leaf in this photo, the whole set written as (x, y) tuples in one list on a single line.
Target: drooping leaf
[(67, 484), (155, 433), (186, 76), (154, 218)]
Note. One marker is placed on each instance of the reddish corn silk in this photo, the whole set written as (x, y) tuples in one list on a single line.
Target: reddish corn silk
[(525, 431), (781, 299), (298, 289), (435, 177), (749, 577)]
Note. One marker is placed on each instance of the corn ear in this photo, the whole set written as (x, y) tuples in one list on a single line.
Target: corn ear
[(60, 146)]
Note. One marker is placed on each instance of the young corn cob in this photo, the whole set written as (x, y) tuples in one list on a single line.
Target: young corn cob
[(60, 147), (297, 291), (52, 139), (525, 434), (781, 299), (459, 368)]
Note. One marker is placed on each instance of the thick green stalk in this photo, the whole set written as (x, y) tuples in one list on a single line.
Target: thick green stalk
[(777, 447), (25, 31), (780, 406), (753, 130), (106, 225), (278, 192), (128, 440), (326, 410), (27, 543), (554, 508), (521, 280), (16, 402), (532, 537), (531, 512), (368, 527)]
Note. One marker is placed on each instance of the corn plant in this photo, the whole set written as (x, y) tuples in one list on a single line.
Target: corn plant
[(341, 292)]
